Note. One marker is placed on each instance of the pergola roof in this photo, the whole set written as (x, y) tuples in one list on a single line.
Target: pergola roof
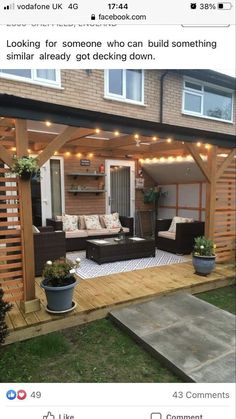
[(17, 107)]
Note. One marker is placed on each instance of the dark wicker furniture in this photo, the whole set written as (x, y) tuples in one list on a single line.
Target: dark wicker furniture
[(184, 239), (79, 243), (114, 251), (48, 245)]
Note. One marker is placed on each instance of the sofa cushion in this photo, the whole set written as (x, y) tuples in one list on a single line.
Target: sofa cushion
[(76, 233), (116, 230), (98, 232), (102, 222), (92, 222), (70, 222), (112, 220), (81, 222), (166, 235), (58, 218), (176, 220)]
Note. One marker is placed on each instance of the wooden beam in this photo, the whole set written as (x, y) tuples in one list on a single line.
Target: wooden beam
[(211, 193), (56, 144), (225, 164), (201, 164), (25, 215), (122, 141), (5, 156)]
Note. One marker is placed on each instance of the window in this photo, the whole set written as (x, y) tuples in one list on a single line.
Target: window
[(205, 100), (50, 78), (125, 85)]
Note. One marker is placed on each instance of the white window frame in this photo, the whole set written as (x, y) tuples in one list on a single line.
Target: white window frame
[(34, 79), (122, 98), (200, 93)]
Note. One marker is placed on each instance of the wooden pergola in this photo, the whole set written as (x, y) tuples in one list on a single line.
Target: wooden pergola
[(218, 171)]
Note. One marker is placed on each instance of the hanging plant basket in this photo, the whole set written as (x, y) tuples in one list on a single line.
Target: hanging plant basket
[(25, 167)]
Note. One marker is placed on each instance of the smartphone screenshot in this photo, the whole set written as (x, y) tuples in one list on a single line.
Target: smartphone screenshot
[(117, 209)]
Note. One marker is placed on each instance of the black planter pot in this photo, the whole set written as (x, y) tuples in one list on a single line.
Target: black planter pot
[(26, 175), (59, 299)]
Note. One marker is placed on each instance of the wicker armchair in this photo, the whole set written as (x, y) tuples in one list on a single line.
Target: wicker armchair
[(184, 237), (48, 245)]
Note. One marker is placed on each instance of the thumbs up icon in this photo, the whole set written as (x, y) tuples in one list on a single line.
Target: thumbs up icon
[(49, 416)]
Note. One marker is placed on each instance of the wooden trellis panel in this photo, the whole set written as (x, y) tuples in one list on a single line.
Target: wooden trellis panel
[(224, 232), (11, 265)]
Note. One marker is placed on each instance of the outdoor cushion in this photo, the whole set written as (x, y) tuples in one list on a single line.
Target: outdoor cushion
[(70, 222), (81, 222), (116, 230), (102, 222), (92, 222), (35, 229), (176, 220), (112, 220), (76, 233), (166, 234), (98, 232)]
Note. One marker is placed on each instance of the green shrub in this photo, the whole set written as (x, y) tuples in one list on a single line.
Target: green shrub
[(4, 308)]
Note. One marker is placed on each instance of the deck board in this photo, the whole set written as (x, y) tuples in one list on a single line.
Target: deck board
[(97, 296)]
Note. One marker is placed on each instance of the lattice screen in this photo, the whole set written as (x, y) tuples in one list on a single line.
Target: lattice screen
[(224, 235), (11, 267)]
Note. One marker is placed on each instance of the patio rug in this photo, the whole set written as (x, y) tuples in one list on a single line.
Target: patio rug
[(90, 269)]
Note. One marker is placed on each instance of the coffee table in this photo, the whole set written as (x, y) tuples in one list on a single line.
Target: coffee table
[(112, 250)]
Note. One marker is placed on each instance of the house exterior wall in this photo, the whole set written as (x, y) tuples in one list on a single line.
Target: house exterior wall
[(172, 114), (82, 90)]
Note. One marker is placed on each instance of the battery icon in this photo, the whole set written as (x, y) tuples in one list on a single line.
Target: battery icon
[(226, 5)]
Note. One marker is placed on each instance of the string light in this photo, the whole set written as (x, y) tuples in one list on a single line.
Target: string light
[(13, 149), (116, 133), (199, 144), (154, 138), (136, 136), (68, 153), (90, 155), (56, 153), (207, 146), (169, 140), (48, 123), (97, 130), (29, 151), (78, 154)]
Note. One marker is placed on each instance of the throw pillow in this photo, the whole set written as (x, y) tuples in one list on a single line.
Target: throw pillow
[(35, 229), (58, 218), (70, 222), (92, 222), (102, 222), (81, 222), (176, 220), (112, 220)]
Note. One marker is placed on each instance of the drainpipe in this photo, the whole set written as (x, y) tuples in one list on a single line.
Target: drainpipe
[(161, 94)]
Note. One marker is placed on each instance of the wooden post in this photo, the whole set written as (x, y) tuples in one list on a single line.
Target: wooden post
[(211, 193), (30, 303)]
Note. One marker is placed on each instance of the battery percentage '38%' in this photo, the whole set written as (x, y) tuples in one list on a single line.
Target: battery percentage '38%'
[(207, 6)]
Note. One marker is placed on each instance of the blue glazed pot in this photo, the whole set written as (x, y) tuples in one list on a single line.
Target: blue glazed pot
[(59, 298), (204, 265)]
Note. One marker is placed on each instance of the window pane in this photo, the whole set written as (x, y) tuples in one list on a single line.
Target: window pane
[(134, 85), (55, 170), (192, 103), (116, 82), (46, 74), (193, 86), (19, 73), (217, 104)]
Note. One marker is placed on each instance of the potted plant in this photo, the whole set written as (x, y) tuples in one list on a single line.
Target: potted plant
[(25, 167), (203, 256), (59, 281)]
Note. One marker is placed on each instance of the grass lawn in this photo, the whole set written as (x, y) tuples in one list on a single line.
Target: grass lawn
[(224, 298), (95, 352)]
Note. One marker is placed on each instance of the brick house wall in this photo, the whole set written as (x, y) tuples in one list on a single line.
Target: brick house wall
[(82, 90)]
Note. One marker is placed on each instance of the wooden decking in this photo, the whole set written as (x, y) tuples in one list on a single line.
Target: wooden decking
[(95, 297)]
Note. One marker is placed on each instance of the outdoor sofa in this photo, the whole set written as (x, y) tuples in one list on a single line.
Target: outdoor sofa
[(76, 238), (48, 245), (180, 239)]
